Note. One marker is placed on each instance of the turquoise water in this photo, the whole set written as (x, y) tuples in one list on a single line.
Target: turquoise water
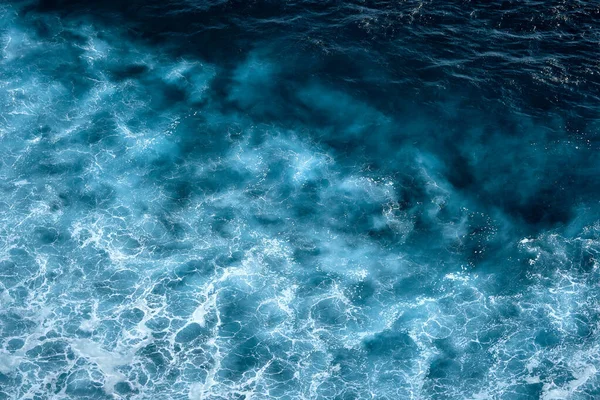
[(299, 200)]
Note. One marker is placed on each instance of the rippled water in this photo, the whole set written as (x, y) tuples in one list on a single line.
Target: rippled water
[(299, 199)]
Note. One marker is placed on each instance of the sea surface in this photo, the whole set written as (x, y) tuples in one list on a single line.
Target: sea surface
[(294, 199)]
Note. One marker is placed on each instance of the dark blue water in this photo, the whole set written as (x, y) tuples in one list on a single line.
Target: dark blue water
[(299, 199)]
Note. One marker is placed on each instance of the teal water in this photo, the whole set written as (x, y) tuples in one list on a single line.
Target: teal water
[(299, 200)]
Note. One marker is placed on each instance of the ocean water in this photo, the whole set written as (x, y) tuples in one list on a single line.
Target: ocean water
[(219, 199)]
